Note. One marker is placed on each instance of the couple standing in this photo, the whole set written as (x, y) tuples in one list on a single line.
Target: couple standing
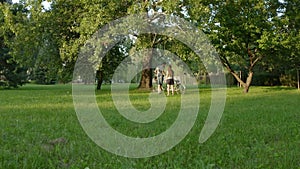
[(160, 73)]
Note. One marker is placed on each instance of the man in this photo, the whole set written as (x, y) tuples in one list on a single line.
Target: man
[(159, 72)]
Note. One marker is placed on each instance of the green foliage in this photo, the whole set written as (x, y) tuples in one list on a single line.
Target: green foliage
[(289, 78), (12, 74), (111, 61), (246, 33), (266, 79)]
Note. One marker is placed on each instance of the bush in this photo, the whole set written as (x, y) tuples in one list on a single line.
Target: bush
[(11, 74), (289, 79), (266, 79)]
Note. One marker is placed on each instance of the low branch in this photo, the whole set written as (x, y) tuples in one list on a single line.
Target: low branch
[(256, 60), (226, 63)]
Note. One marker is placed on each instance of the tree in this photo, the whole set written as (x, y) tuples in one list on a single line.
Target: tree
[(244, 32), (285, 57), (291, 33), (12, 74), (77, 21), (48, 41), (153, 40), (110, 62)]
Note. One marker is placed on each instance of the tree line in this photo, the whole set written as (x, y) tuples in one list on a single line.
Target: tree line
[(257, 37)]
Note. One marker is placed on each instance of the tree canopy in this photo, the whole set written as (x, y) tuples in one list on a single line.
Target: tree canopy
[(249, 35)]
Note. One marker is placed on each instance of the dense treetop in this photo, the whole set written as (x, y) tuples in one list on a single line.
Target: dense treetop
[(250, 36)]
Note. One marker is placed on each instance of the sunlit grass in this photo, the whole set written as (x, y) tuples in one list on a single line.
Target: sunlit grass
[(258, 130)]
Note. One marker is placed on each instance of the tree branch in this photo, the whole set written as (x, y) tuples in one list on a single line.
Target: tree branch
[(256, 60)]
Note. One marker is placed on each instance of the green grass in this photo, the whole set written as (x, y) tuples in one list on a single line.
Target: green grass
[(257, 130)]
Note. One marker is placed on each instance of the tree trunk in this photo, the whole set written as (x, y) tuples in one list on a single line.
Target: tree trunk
[(298, 79), (99, 77), (146, 80), (248, 82), (246, 89), (238, 78)]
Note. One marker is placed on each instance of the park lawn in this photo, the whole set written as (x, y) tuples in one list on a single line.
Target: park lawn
[(260, 129)]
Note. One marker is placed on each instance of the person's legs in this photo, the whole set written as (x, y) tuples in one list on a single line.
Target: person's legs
[(172, 85), (168, 89), (158, 88), (172, 89), (159, 84), (162, 81)]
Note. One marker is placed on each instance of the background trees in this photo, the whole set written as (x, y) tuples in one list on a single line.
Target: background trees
[(290, 55), (250, 36), (12, 73)]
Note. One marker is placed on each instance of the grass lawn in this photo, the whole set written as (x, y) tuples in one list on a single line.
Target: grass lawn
[(39, 129)]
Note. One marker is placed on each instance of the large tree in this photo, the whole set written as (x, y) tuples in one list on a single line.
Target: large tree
[(291, 33), (12, 74), (77, 21), (244, 32), (49, 40), (155, 8), (284, 59)]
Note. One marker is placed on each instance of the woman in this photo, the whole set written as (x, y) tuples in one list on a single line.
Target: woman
[(170, 80), (159, 71)]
